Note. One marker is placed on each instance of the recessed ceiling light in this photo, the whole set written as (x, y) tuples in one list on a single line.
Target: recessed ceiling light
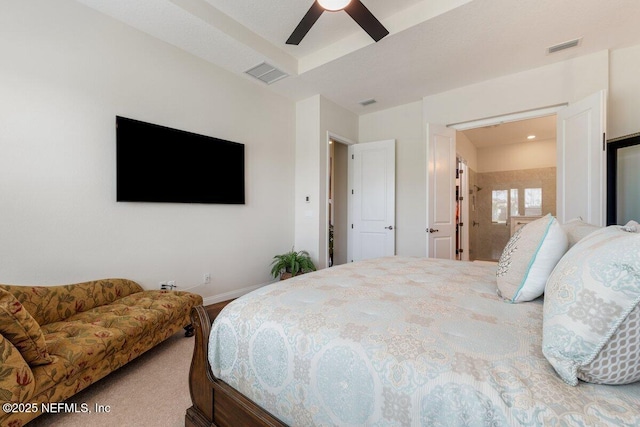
[(531, 137)]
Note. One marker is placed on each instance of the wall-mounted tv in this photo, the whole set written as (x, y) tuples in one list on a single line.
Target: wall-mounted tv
[(160, 164)]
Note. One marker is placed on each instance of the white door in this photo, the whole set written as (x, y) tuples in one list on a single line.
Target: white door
[(441, 182), (372, 174), (581, 157)]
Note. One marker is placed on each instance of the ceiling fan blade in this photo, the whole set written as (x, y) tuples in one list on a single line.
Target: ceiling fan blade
[(366, 20), (306, 23)]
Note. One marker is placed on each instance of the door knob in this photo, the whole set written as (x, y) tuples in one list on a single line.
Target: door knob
[(389, 227), (432, 230)]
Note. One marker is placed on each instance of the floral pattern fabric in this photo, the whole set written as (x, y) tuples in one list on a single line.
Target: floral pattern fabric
[(21, 329), (48, 304), (16, 378), (90, 330), (401, 341)]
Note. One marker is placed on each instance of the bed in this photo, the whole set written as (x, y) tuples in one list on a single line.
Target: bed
[(408, 341)]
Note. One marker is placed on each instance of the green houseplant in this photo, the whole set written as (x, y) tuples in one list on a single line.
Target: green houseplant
[(291, 264)]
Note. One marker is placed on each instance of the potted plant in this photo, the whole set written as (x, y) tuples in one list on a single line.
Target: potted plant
[(291, 264)]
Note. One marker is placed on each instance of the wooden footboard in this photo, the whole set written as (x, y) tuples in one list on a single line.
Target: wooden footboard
[(215, 403)]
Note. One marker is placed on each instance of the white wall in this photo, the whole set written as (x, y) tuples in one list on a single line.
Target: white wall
[(466, 150), (567, 81), (624, 94), (66, 71), (404, 124), (316, 118), (524, 155), (307, 177)]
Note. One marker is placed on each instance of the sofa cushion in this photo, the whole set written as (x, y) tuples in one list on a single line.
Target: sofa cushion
[(174, 305), (132, 321), (76, 346), (20, 328), (48, 304)]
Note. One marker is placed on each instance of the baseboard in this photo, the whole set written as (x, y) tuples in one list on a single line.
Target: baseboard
[(214, 299)]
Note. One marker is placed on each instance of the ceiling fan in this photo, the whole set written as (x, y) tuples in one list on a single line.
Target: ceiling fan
[(354, 8)]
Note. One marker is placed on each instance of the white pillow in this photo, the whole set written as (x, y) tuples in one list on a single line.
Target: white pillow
[(529, 258), (577, 230), (591, 317)]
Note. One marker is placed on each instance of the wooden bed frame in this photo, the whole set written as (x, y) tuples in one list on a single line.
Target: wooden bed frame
[(216, 403)]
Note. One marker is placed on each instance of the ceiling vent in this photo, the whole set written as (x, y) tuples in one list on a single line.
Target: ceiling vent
[(367, 102), (266, 73), (563, 46)]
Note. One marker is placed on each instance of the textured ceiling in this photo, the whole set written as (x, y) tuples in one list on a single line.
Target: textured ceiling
[(543, 128), (433, 45)]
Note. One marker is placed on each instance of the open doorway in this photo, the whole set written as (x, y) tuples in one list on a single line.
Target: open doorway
[(511, 180), (338, 202)]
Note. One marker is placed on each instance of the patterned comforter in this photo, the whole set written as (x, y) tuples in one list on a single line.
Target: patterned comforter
[(402, 341)]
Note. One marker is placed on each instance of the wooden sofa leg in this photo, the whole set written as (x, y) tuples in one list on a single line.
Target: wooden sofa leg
[(188, 330)]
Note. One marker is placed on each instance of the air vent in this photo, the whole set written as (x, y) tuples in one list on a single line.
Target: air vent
[(563, 46), (367, 102), (266, 73)]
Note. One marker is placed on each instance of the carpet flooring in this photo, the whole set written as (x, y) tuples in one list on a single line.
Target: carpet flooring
[(152, 390)]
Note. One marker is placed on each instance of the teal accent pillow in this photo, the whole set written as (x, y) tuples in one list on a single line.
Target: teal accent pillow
[(591, 326), (528, 259)]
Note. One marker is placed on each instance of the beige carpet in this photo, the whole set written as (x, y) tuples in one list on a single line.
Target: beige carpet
[(151, 390)]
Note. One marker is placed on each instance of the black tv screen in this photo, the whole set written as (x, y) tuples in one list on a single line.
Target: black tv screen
[(160, 164)]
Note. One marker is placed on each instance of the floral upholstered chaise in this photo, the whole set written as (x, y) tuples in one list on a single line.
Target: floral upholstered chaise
[(57, 340)]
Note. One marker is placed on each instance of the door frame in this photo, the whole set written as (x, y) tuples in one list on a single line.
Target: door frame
[(325, 227), (463, 194), (517, 116), (494, 120), (613, 145)]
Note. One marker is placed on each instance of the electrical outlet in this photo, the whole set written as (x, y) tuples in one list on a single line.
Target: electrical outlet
[(163, 285), (207, 277)]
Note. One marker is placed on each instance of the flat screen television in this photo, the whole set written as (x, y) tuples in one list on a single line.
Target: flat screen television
[(159, 164)]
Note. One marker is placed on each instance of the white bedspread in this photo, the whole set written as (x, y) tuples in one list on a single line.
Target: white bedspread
[(402, 342)]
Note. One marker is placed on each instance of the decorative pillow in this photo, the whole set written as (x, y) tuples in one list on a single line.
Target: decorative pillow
[(576, 229), (18, 383), (17, 325), (529, 258), (632, 227), (591, 318)]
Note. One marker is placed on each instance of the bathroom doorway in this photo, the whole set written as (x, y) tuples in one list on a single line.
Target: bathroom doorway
[(511, 178)]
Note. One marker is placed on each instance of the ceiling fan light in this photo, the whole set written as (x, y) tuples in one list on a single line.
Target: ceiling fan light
[(334, 5)]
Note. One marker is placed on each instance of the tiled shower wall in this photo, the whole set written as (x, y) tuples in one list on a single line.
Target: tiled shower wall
[(487, 239)]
